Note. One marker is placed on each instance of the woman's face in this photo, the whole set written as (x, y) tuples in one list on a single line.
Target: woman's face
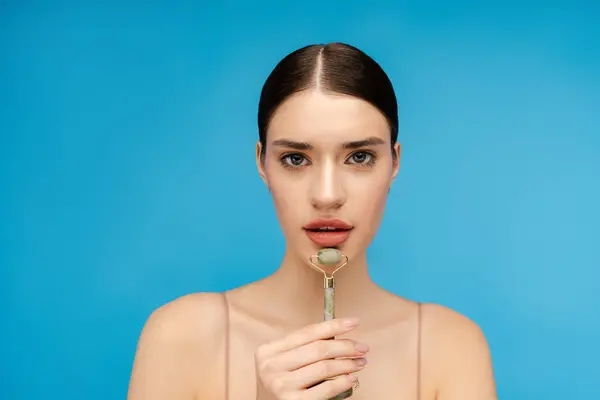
[(328, 157)]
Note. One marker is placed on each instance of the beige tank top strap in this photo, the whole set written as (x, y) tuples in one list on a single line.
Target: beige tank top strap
[(419, 351), (226, 331)]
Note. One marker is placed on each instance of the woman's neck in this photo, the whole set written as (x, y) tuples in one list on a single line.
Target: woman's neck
[(298, 290)]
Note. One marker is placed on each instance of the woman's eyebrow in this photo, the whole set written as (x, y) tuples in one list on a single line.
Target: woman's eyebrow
[(292, 144), (354, 144)]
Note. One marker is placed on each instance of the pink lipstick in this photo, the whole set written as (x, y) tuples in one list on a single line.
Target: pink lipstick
[(328, 232)]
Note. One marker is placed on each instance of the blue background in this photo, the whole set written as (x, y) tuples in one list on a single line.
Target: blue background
[(128, 177)]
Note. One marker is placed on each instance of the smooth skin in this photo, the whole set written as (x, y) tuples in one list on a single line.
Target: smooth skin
[(326, 156)]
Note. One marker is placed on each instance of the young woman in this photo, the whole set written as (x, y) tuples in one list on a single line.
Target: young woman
[(328, 153)]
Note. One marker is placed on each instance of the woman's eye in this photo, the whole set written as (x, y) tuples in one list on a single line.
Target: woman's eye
[(361, 157), (294, 160)]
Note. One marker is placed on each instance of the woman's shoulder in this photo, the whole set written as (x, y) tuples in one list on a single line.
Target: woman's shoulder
[(456, 350), (191, 325), (446, 328), (180, 340), (433, 317), (190, 315), (437, 316)]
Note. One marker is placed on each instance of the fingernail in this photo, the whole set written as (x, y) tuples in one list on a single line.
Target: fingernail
[(361, 361), (361, 347), (351, 322), (353, 378)]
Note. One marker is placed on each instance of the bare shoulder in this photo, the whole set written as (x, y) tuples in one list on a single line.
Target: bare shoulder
[(458, 355), (447, 324), (187, 322), (180, 342)]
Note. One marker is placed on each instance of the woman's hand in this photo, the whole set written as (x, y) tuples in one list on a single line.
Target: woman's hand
[(287, 368)]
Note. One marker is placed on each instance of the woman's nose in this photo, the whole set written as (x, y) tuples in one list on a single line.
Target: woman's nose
[(327, 189)]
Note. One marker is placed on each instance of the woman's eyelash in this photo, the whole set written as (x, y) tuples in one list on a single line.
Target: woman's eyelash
[(284, 160), (370, 157), (296, 160)]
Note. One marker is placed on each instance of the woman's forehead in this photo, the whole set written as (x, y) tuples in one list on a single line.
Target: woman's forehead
[(314, 116)]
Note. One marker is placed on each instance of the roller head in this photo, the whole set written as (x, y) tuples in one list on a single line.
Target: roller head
[(329, 256)]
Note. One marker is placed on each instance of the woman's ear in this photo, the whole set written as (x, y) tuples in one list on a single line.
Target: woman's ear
[(396, 152), (260, 162)]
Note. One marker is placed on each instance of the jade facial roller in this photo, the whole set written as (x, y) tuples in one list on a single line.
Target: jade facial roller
[(330, 257)]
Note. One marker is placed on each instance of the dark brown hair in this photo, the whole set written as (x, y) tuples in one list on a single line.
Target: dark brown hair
[(333, 67)]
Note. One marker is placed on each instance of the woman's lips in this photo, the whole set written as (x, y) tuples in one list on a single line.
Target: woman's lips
[(328, 232), (332, 223), (328, 238)]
